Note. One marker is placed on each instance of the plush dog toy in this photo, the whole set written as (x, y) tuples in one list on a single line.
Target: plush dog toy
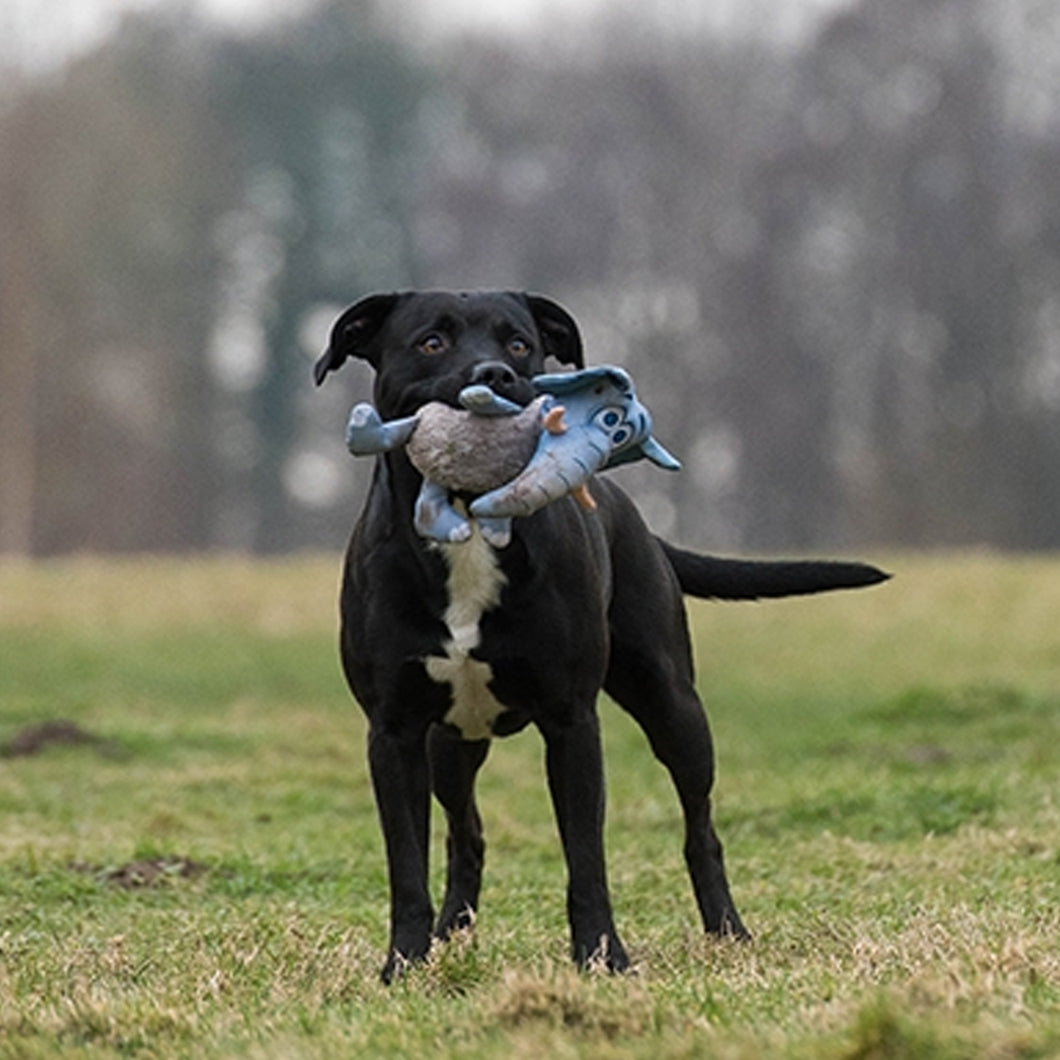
[(513, 460)]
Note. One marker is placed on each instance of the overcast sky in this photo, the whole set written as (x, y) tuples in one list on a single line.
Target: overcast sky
[(39, 33)]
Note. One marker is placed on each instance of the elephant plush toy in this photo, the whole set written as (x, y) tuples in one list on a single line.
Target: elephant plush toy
[(512, 460)]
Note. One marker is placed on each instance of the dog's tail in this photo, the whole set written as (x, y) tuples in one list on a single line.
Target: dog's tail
[(738, 579)]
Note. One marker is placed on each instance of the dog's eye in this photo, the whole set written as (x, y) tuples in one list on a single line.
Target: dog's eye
[(518, 347), (433, 343)]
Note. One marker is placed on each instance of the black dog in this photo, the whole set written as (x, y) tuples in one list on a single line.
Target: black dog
[(446, 646)]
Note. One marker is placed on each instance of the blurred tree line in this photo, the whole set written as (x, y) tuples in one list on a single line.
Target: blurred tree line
[(832, 268)]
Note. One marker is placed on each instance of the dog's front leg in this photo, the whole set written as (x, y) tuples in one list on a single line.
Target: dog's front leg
[(576, 781), (454, 765), (398, 766)]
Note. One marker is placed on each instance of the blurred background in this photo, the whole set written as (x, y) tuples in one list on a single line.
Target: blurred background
[(823, 236)]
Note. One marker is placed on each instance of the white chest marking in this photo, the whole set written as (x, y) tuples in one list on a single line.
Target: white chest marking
[(474, 586)]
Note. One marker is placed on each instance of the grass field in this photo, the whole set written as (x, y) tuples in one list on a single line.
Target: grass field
[(190, 866)]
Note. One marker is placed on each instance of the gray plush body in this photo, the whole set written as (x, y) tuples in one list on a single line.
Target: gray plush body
[(470, 453)]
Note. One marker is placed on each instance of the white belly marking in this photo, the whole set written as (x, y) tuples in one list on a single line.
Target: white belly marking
[(474, 585)]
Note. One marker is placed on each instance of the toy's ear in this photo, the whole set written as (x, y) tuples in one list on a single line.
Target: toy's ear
[(353, 332), (559, 333)]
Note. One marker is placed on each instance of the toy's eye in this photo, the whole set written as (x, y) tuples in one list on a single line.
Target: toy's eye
[(518, 347), (433, 344), (613, 421)]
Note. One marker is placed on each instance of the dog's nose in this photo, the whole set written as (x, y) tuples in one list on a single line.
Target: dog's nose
[(494, 374)]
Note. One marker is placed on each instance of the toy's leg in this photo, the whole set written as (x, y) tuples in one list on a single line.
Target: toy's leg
[(584, 498), (436, 518), (497, 532), (482, 401), (553, 420), (366, 433)]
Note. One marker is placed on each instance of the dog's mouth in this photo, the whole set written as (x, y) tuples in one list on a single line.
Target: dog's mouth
[(501, 378)]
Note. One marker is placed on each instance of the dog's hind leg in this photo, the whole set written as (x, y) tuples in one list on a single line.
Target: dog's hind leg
[(455, 763), (650, 675), (669, 711)]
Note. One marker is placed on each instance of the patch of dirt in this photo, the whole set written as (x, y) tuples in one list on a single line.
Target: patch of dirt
[(146, 872), (927, 754), (35, 738)]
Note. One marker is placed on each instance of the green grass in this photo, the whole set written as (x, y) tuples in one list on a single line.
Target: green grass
[(888, 794)]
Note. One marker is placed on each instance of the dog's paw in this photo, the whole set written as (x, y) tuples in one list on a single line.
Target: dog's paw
[(399, 964), (607, 955), (452, 921), (396, 967)]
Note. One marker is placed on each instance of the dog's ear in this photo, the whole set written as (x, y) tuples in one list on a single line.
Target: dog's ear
[(352, 334), (559, 333)]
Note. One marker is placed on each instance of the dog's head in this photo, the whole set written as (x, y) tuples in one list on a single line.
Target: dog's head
[(428, 346)]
